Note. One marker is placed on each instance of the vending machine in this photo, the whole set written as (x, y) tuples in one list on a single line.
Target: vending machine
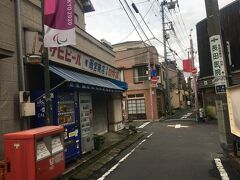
[(65, 113), (34, 154), (85, 105)]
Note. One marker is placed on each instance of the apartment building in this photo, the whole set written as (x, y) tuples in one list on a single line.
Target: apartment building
[(144, 98)]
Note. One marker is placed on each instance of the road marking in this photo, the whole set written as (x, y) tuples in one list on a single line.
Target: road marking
[(187, 119), (149, 135), (177, 126), (186, 116), (221, 169), (120, 161), (143, 125)]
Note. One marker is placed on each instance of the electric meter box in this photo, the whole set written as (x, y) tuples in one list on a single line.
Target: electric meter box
[(27, 109), (34, 154)]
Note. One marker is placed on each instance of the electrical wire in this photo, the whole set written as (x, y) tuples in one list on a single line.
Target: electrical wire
[(181, 30), (135, 55), (111, 10), (182, 18), (133, 15), (131, 20), (177, 39), (139, 23)]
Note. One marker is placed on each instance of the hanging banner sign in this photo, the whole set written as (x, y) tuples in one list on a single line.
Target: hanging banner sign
[(218, 64), (69, 57), (59, 26)]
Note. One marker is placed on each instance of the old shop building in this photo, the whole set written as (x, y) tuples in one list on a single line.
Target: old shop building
[(86, 99)]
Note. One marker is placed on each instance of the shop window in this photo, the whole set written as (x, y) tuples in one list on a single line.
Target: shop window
[(140, 74)]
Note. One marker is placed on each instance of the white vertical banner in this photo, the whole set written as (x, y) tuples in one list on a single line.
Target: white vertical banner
[(218, 63)]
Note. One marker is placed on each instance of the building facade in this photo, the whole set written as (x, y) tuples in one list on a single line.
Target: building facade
[(144, 98), (230, 26), (178, 87), (85, 85)]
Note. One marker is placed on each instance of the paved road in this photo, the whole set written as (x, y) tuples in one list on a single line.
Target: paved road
[(186, 114), (172, 151)]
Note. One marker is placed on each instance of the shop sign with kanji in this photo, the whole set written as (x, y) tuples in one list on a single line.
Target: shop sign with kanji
[(218, 63)]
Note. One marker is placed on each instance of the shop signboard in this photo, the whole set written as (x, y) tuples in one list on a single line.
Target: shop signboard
[(218, 64), (233, 98), (70, 56)]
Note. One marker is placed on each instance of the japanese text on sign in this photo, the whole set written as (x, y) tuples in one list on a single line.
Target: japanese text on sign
[(217, 56), (70, 57), (218, 63)]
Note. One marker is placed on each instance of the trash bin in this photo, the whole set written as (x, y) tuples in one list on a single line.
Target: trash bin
[(98, 142)]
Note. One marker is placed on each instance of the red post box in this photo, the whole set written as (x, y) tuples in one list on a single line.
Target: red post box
[(34, 154)]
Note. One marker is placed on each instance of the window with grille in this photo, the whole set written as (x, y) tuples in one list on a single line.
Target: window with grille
[(136, 106)]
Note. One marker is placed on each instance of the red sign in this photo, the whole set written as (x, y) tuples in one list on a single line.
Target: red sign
[(187, 65), (154, 79), (194, 71)]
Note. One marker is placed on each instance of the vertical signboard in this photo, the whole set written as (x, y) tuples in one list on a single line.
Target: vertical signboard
[(218, 64), (233, 97)]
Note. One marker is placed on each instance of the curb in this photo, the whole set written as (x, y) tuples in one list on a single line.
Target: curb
[(69, 174)]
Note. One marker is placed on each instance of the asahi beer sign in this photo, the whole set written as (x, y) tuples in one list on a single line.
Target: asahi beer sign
[(218, 64), (69, 57)]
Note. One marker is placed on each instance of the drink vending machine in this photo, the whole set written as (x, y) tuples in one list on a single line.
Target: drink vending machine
[(65, 113), (34, 154)]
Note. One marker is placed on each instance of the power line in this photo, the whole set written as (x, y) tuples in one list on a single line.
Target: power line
[(111, 10), (139, 23), (182, 32), (131, 20), (134, 17), (135, 55), (177, 39), (182, 18)]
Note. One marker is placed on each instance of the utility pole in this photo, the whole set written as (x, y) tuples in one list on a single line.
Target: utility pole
[(221, 81), (194, 77), (149, 62), (170, 5), (48, 100)]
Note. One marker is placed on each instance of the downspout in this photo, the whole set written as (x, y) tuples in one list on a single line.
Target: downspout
[(21, 77)]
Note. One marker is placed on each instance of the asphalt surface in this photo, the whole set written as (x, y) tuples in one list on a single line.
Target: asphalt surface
[(171, 150)]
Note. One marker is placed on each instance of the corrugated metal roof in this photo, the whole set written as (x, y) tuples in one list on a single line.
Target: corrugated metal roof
[(80, 78)]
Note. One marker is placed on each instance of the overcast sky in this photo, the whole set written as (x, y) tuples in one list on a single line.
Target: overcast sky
[(110, 22)]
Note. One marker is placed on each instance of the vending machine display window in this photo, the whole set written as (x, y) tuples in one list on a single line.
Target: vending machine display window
[(66, 113)]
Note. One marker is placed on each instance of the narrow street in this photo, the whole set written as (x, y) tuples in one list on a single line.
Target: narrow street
[(172, 150)]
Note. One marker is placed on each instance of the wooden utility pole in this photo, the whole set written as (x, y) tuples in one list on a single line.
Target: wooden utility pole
[(219, 71)]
